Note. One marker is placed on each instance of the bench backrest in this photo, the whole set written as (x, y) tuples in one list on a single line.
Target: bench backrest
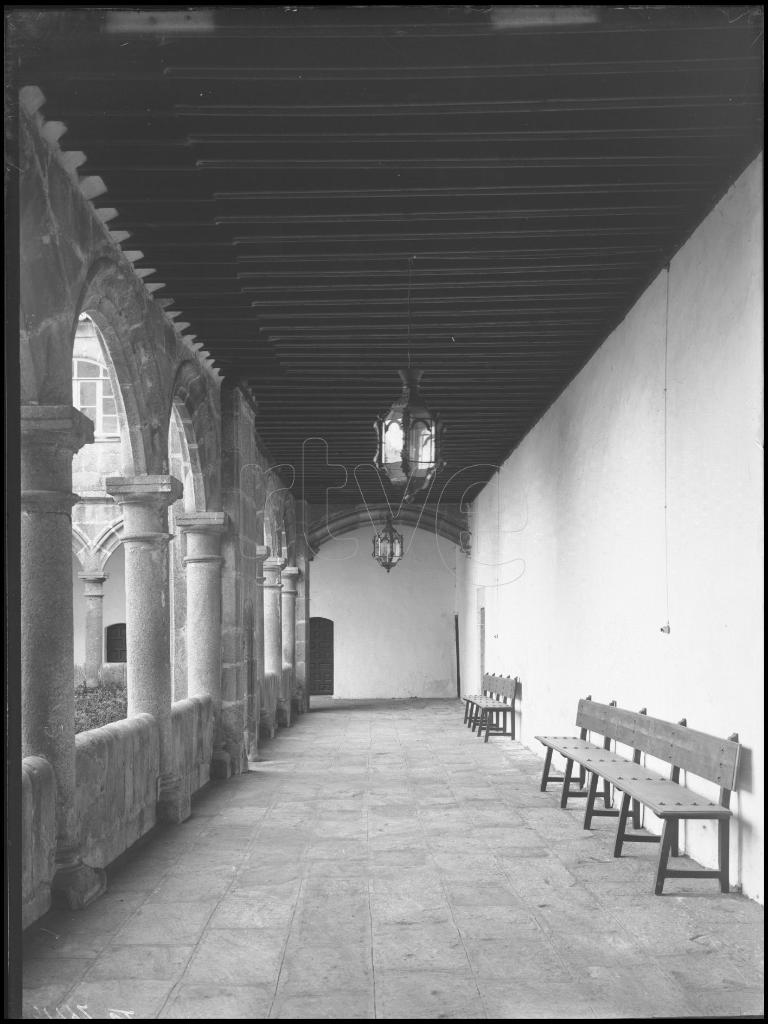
[(504, 686), (709, 757)]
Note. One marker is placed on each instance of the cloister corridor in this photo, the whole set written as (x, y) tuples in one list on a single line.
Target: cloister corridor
[(380, 862)]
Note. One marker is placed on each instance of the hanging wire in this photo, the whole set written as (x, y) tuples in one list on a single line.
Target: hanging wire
[(410, 268), (666, 460)]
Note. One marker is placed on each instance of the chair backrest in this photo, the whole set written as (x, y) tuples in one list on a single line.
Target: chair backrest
[(709, 757), (503, 686)]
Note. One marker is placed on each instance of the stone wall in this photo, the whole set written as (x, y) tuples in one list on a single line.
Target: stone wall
[(38, 837), (118, 767), (193, 723)]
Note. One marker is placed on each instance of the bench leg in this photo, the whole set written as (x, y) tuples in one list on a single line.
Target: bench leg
[(545, 773), (636, 814), (512, 725), (476, 712), (622, 827), (466, 711), (667, 836), (566, 782), (593, 781), (493, 716), (607, 802), (675, 845), (723, 850)]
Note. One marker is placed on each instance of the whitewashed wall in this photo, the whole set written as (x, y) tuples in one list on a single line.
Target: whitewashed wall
[(569, 553), (393, 633)]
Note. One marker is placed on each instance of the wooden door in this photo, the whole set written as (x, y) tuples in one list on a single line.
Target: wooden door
[(320, 656)]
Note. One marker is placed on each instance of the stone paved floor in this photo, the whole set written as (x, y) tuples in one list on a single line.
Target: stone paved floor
[(381, 861)]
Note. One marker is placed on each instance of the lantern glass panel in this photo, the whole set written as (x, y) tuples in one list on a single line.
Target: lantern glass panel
[(392, 447), (422, 447)]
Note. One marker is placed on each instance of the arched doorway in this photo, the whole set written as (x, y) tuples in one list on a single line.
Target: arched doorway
[(320, 656)]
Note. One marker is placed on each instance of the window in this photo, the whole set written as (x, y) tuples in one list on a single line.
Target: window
[(92, 394)]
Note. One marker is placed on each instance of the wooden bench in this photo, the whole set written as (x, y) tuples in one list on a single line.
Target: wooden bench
[(707, 757), (488, 711)]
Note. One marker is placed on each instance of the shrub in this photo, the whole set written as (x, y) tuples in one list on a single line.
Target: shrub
[(107, 702)]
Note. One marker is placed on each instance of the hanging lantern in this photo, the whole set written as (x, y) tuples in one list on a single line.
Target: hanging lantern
[(409, 439), (388, 546)]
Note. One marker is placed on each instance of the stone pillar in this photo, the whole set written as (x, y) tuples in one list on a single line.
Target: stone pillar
[(303, 559), (93, 585), (144, 501), (290, 577), (257, 554), (50, 435), (273, 635), (203, 561)]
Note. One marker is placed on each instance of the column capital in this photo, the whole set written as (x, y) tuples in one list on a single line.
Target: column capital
[(94, 583), (92, 576), (272, 569), (203, 531), (59, 426), (158, 490), (290, 579), (201, 522)]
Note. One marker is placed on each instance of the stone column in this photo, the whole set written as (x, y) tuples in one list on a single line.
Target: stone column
[(94, 624), (303, 558), (203, 561), (273, 635), (290, 577), (256, 554), (50, 435), (144, 501)]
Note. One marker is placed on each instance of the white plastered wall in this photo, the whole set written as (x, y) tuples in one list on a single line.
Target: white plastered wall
[(571, 555), (393, 632)]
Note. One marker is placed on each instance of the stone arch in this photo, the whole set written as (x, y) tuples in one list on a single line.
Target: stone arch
[(108, 541), (276, 496), (193, 405), (80, 545), (452, 526), (132, 334)]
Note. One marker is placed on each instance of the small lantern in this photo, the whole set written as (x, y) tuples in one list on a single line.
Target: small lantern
[(388, 546), (409, 438)]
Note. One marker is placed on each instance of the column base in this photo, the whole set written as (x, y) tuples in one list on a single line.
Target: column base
[(284, 713), (173, 804), (78, 885), (221, 765), (267, 725)]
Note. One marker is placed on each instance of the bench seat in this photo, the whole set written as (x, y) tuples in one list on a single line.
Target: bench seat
[(488, 711), (709, 757)]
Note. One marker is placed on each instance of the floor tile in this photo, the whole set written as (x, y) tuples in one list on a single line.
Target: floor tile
[(220, 1002), (242, 956), (165, 923)]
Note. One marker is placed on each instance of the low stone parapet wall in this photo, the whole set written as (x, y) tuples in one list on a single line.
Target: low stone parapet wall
[(193, 723), (117, 769), (38, 837)]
